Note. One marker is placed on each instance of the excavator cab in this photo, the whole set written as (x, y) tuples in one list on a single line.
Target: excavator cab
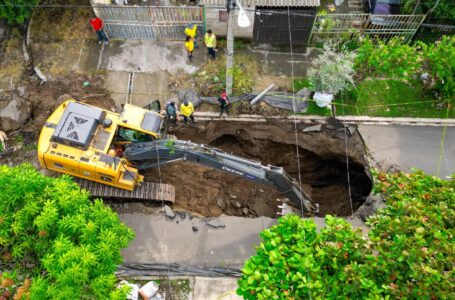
[(88, 142)]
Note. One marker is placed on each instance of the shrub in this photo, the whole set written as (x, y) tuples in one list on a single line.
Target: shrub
[(17, 11), (332, 71), (52, 233), (409, 254), (392, 60), (440, 63)]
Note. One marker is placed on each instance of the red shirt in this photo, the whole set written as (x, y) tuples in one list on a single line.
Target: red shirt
[(97, 23)]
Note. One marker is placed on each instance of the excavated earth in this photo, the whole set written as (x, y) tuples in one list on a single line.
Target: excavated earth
[(321, 166)]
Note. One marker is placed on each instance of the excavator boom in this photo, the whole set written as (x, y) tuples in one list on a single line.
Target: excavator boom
[(159, 152)]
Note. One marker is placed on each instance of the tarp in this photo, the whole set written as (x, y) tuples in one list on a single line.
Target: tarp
[(279, 100), (173, 269)]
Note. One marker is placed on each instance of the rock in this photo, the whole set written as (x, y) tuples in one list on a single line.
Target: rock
[(220, 202), (189, 95), (14, 113), (261, 191), (370, 206), (237, 204), (149, 290), (352, 129), (232, 196), (21, 91), (245, 210), (181, 214), (194, 228), (313, 128), (168, 211), (216, 223)]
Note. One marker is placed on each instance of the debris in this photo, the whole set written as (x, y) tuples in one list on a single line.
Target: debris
[(233, 196), (149, 290), (14, 113), (261, 191), (216, 223), (262, 94), (40, 74), (85, 84), (194, 228), (245, 210), (220, 202), (313, 128), (237, 204), (168, 211), (352, 129)]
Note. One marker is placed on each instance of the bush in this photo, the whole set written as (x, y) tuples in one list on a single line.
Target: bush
[(332, 71), (391, 60), (52, 233), (18, 13), (409, 253)]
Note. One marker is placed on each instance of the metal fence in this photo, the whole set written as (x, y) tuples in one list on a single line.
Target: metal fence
[(383, 27), (148, 22), (433, 29)]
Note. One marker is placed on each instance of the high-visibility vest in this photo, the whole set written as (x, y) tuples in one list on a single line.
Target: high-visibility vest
[(187, 110), (189, 46), (210, 41)]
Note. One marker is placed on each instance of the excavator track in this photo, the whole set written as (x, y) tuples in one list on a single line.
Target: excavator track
[(147, 191)]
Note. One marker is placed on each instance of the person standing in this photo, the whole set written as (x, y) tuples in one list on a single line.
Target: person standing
[(171, 112), (97, 25), (210, 43), (187, 110), (189, 46), (224, 104), (191, 30)]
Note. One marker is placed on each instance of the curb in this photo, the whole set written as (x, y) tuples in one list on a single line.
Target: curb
[(364, 120)]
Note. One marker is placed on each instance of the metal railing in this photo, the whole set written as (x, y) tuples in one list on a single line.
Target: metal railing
[(148, 22), (383, 27)]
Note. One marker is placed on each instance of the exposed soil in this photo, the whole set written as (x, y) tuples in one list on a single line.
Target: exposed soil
[(322, 162)]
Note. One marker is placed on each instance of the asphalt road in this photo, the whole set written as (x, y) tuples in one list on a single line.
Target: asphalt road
[(412, 147)]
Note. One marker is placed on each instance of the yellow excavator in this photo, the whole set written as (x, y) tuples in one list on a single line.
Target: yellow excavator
[(107, 151)]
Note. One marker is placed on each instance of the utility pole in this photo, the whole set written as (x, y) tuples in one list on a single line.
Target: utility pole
[(230, 6)]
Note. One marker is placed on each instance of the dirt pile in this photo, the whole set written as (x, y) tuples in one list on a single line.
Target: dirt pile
[(321, 161)]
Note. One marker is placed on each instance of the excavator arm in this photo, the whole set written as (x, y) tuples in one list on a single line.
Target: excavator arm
[(156, 153)]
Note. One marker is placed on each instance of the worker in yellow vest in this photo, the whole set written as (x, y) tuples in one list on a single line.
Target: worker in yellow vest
[(191, 31), (189, 46), (210, 43), (187, 110)]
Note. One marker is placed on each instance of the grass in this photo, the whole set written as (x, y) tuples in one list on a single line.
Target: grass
[(382, 98), (390, 98)]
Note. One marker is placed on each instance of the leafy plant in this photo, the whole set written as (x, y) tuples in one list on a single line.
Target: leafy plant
[(392, 60), (17, 11), (51, 232), (439, 61), (409, 254), (332, 71)]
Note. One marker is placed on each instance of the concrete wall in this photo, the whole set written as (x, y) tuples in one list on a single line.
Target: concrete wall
[(220, 28)]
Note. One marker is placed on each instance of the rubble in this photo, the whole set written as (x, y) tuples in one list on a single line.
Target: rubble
[(169, 212), (216, 223), (14, 113)]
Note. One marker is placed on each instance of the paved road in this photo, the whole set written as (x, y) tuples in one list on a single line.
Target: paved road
[(412, 147)]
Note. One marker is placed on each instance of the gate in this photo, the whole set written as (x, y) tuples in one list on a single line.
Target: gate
[(271, 25), (148, 22), (433, 29)]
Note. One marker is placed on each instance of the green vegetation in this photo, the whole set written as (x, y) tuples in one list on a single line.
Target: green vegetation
[(54, 242), (444, 9), (390, 98), (17, 11), (211, 79), (409, 253)]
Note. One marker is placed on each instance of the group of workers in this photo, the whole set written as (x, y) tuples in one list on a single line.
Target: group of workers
[(191, 43), (187, 109)]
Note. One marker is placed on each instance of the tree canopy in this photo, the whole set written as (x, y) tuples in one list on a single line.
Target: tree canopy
[(51, 234), (17, 11), (409, 252)]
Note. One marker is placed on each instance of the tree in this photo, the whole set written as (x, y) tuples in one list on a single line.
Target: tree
[(52, 234), (409, 252), (17, 11)]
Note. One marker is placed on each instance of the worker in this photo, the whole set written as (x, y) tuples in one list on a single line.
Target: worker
[(224, 103), (189, 46), (191, 30), (210, 43), (171, 112), (187, 110), (97, 25)]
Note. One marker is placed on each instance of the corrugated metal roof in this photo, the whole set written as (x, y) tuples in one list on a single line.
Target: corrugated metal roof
[(254, 3)]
